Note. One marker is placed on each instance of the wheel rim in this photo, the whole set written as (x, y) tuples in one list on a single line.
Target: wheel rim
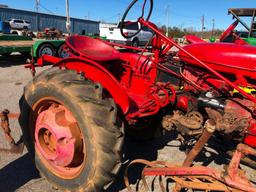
[(47, 51), (58, 140)]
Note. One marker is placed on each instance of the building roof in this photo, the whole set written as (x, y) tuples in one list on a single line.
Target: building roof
[(33, 12), (243, 12)]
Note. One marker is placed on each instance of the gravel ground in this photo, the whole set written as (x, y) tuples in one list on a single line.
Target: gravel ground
[(18, 173)]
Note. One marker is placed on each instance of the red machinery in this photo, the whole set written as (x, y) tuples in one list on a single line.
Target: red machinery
[(226, 34), (73, 114)]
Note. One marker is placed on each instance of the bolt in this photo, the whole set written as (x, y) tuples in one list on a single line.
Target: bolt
[(82, 76)]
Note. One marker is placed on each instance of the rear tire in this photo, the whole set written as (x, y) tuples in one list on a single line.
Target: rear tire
[(96, 117)]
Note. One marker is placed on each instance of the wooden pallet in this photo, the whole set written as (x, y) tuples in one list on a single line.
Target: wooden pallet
[(16, 43)]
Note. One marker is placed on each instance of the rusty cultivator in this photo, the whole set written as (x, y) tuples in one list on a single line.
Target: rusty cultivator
[(196, 177)]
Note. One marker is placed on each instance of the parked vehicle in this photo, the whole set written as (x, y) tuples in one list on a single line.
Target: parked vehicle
[(113, 34), (10, 43), (13, 43), (20, 24)]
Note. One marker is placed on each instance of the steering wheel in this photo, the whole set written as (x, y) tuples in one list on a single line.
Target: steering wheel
[(229, 30), (122, 25)]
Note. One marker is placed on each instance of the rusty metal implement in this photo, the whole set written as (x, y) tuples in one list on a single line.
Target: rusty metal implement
[(230, 179), (14, 147)]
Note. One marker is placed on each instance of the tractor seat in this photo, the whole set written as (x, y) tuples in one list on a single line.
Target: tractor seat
[(93, 49)]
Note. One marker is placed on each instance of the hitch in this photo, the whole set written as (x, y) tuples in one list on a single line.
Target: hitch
[(16, 148)]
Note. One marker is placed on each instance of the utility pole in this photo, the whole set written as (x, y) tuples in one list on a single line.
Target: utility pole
[(68, 22), (37, 5), (88, 15), (213, 26), (202, 26), (37, 14), (119, 17), (167, 19)]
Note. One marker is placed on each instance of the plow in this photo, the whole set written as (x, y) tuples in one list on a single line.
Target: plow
[(75, 115)]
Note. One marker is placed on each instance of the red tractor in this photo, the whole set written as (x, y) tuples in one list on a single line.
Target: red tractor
[(74, 115)]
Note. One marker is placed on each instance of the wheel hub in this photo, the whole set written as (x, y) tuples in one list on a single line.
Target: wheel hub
[(57, 136), (47, 51)]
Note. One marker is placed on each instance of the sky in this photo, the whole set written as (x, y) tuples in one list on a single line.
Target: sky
[(182, 13)]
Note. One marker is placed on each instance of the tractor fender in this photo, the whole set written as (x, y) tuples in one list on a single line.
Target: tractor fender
[(95, 72)]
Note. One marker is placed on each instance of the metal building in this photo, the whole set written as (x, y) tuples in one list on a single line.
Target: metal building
[(40, 21)]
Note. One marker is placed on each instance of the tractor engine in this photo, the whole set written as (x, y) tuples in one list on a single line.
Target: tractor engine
[(233, 115), (230, 115), (213, 96)]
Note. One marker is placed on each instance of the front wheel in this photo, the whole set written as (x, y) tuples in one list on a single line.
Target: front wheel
[(72, 131)]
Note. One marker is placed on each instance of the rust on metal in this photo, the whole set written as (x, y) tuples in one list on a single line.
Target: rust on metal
[(197, 177), (208, 132), (14, 147), (245, 160), (189, 124)]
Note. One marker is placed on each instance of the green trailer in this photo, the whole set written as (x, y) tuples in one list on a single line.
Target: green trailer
[(49, 47), (52, 47), (26, 45), (14, 43)]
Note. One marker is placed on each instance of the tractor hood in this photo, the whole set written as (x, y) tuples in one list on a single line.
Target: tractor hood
[(223, 57)]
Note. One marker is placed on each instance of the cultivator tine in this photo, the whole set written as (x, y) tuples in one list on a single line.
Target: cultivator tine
[(16, 148), (201, 183), (188, 181)]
